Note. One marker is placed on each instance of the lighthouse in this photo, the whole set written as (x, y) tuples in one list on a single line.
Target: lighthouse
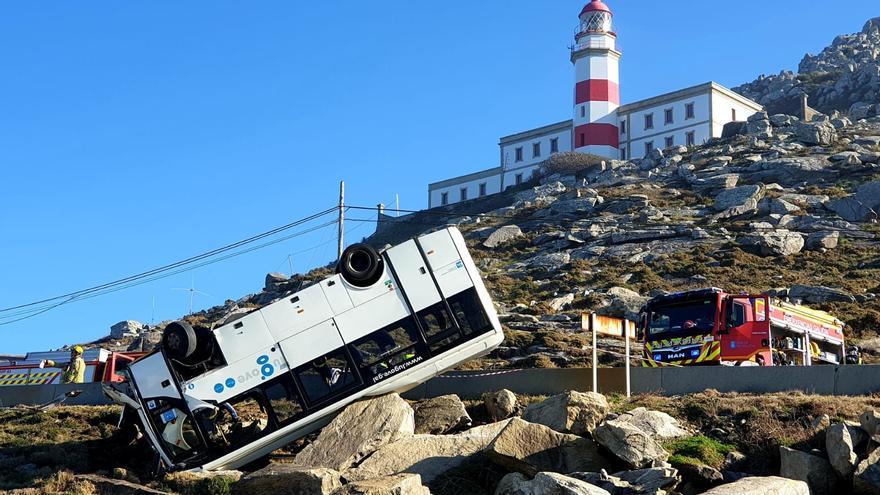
[(597, 91)]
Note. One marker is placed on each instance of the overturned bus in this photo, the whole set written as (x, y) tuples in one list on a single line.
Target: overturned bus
[(386, 322)]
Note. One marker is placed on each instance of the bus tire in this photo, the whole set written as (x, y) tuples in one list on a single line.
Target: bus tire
[(360, 265), (179, 340)]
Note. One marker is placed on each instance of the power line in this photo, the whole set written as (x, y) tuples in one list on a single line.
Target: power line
[(177, 264), (35, 308)]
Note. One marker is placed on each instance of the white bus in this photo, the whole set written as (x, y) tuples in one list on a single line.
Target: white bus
[(220, 398)]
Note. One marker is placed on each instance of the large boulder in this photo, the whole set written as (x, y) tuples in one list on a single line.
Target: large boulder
[(640, 481), (823, 240), (501, 404), (812, 469), (756, 485), (866, 478), (841, 441), (399, 484), (287, 479), (630, 444), (571, 412), (791, 171), (427, 455), (655, 423), (819, 295), (440, 415), (357, 432), (109, 485), (815, 133), (623, 302), (503, 235), (275, 281), (738, 200), (128, 328), (779, 242), (531, 448), (543, 194), (546, 484), (870, 423), (864, 205)]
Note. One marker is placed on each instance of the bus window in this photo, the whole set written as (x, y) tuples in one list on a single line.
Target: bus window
[(440, 329), (284, 399), (326, 376), (470, 313), (384, 349)]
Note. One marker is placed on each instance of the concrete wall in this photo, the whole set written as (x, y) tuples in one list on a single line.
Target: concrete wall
[(823, 380), (722, 111)]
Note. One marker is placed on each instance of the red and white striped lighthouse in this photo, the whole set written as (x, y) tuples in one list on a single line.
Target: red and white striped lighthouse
[(597, 91)]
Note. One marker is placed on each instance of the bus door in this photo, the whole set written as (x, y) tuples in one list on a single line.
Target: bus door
[(745, 329)]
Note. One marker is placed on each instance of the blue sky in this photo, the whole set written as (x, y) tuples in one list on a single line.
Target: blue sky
[(136, 134)]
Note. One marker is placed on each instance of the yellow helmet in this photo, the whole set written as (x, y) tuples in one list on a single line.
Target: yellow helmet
[(77, 349)]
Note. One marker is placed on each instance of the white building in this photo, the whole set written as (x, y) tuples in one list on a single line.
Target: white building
[(600, 125)]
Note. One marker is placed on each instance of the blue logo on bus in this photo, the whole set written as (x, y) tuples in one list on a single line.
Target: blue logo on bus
[(218, 388), (266, 369), (230, 382)]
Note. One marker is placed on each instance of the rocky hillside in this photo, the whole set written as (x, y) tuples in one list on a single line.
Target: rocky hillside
[(573, 443), (844, 77)]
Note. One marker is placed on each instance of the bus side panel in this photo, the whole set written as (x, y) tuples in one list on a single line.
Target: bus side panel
[(471, 268), (243, 337), (297, 312), (156, 379), (223, 383), (314, 342), (413, 276), (368, 318), (447, 263)]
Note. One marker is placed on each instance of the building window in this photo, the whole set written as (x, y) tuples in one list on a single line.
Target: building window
[(444, 199), (691, 138), (554, 145), (519, 154), (583, 111), (623, 154), (518, 179), (536, 150), (483, 189), (667, 116), (670, 141), (649, 121), (733, 114), (623, 127), (464, 194), (649, 147), (689, 111)]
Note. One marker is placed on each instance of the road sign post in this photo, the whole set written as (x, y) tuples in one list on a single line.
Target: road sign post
[(612, 327)]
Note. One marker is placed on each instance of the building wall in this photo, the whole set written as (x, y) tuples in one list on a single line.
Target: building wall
[(529, 163), (636, 135), (722, 111), (452, 187)]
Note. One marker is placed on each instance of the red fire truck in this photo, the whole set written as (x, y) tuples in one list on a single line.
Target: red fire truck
[(711, 327), (101, 366)]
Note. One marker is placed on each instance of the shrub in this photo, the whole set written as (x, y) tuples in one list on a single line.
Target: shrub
[(568, 163)]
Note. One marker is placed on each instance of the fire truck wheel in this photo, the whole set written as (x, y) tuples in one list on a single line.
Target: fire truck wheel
[(360, 265), (179, 340)]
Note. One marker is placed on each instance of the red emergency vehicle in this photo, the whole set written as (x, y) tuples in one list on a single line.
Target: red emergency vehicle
[(101, 366), (711, 327)]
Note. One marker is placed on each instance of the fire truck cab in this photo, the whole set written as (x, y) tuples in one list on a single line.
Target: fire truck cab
[(711, 327)]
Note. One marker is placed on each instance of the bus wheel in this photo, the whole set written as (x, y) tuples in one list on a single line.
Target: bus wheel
[(360, 265), (179, 340)]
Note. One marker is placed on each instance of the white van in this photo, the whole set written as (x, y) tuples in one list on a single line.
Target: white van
[(386, 322)]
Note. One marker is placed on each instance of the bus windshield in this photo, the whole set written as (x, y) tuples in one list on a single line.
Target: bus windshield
[(678, 320)]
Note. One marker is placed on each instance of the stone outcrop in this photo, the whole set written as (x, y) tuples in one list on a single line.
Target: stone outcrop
[(738, 200), (655, 423), (571, 412), (779, 242), (815, 471), (399, 484), (864, 205), (531, 448), (546, 484), (866, 478), (770, 485), (630, 444), (501, 404), (427, 455), (128, 328), (439, 415), (502, 236), (841, 442), (358, 431), (288, 479)]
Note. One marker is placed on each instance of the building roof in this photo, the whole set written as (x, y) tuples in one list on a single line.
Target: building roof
[(687, 92), (596, 5), (540, 131), (491, 172)]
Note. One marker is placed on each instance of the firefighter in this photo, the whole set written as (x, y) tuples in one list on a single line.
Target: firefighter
[(853, 355), (73, 371)]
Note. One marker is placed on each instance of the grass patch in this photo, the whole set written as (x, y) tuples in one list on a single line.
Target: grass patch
[(697, 451)]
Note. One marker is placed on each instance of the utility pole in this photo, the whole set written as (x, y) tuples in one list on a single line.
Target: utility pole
[(341, 220), (290, 263)]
